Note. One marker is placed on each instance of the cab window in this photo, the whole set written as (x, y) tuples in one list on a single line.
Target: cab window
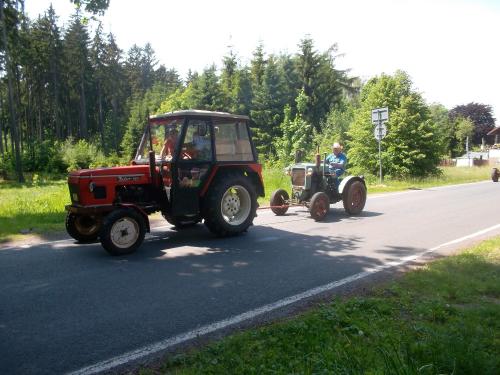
[(197, 143), (232, 142)]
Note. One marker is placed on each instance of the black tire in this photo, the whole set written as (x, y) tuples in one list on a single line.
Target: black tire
[(494, 175), (319, 206), (83, 228), (230, 205), (354, 198), (182, 222), (279, 198), (122, 231)]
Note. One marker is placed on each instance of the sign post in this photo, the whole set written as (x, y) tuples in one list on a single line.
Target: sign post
[(379, 117)]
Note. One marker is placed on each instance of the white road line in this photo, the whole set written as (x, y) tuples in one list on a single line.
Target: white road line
[(209, 328)]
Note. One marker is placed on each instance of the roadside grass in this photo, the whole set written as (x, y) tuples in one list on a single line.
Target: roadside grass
[(31, 208), (38, 207), (449, 176), (443, 318)]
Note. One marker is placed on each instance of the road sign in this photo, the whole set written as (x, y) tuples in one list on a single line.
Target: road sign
[(380, 131), (380, 115)]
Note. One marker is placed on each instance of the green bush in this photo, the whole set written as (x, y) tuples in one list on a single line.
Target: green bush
[(80, 155)]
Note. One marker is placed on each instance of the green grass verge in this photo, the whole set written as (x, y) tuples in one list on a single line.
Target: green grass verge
[(39, 208), (449, 176), (441, 319), (31, 208)]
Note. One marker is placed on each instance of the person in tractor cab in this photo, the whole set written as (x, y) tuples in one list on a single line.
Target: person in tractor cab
[(200, 148), (167, 151), (336, 161)]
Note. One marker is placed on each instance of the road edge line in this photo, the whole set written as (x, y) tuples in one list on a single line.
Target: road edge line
[(147, 350)]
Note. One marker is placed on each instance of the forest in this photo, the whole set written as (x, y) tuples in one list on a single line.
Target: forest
[(72, 98)]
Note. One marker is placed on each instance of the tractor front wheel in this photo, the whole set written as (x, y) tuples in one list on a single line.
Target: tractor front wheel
[(279, 202), (354, 198), (122, 232), (319, 206), (230, 205), (83, 228)]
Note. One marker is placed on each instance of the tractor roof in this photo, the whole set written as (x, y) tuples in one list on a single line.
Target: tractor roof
[(197, 113)]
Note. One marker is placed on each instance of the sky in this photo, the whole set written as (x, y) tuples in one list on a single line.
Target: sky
[(450, 48)]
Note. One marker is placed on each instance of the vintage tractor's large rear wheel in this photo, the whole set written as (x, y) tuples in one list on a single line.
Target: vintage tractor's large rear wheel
[(230, 205), (495, 174), (279, 202), (83, 228), (319, 206), (122, 232), (354, 198)]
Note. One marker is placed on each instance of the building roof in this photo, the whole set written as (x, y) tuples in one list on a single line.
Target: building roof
[(494, 131)]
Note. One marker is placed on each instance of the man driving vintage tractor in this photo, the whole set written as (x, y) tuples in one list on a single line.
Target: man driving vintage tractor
[(190, 166)]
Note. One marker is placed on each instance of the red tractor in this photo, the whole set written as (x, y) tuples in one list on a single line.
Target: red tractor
[(190, 166)]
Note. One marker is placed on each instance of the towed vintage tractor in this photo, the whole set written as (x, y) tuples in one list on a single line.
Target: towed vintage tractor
[(190, 166), (314, 187)]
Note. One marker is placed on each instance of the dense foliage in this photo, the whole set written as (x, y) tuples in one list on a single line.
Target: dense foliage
[(64, 86), (412, 146)]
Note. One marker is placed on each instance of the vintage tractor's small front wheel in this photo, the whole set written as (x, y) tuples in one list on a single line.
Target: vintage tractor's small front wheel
[(319, 206), (279, 202), (354, 198), (230, 206), (495, 174), (83, 228), (122, 232)]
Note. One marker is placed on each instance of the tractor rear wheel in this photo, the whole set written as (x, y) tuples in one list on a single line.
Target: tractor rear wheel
[(495, 174), (230, 205), (279, 202), (354, 198), (122, 232), (319, 206), (83, 228)]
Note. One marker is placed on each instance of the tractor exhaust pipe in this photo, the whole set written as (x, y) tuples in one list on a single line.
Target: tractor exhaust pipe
[(152, 166)]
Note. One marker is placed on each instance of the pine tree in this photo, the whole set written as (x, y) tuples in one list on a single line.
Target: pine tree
[(267, 109), (78, 74), (97, 57)]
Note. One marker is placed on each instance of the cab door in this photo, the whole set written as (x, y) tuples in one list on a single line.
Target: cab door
[(195, 159)]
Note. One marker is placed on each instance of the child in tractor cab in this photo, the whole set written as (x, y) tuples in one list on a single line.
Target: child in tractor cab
[(168, 147)]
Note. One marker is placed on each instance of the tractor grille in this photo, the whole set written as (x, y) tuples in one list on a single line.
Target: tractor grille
[(298, 176), (73, 193)]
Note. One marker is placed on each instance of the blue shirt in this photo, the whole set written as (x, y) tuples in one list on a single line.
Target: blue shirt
[(340, 160)]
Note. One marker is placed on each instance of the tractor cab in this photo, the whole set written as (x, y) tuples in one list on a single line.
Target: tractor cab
[(187, 147)]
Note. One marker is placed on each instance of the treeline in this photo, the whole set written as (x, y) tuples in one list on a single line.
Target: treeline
[(70, 99)]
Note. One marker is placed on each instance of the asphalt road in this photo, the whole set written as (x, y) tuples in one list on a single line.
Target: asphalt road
[(65, 306)]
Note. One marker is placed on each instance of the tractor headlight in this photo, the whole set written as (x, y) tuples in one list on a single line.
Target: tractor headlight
[(91, 187), (309, 171), (75, 197)]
